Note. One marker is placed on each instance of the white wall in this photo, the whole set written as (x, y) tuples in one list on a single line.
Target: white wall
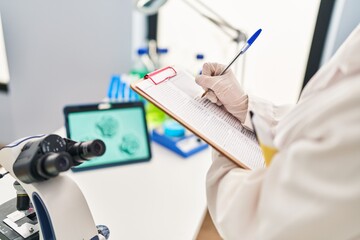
[(6, 123), (275, 64), (59, 52), (4, 70)]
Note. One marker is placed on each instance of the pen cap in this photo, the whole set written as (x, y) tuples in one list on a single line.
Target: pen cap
[(162, 50), (200, 56), (254, 37), (142, 51)]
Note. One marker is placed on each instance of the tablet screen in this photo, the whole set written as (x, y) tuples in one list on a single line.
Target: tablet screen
[(122, 127)]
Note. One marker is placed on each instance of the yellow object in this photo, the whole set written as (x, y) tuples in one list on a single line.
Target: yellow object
[(154, 116), (268, 153)]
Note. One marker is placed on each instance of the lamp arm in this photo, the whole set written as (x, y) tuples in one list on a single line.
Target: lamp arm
[(240, 36), (214, 13), (221, 23)]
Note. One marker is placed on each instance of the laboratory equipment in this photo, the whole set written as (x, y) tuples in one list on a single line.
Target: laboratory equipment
[(173, 136), (49, 205), (142, 63), (122, 126), (119, 88), (152, 6), (163, 53), (199, 61)]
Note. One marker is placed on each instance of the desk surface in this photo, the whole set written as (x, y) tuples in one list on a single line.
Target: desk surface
[(161, 199)]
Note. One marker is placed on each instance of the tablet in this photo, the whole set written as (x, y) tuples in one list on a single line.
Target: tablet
[(122, 127)]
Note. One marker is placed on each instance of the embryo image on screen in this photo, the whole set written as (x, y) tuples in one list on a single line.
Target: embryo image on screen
[(108, 126), (123, 131)]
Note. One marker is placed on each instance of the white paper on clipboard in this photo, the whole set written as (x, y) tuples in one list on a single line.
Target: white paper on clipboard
[(180, 97)]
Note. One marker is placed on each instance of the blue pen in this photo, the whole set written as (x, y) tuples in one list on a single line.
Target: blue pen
[(242, 51)]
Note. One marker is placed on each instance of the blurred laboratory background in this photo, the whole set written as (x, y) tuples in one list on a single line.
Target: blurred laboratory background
[(56, 53), (59, 53)]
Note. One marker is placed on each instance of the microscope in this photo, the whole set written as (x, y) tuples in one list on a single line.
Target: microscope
[(48, 205)]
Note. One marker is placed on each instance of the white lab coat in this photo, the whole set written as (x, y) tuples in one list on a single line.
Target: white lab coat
[(311, 190)]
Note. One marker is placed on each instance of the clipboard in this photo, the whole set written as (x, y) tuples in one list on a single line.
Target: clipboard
[(175, 92)]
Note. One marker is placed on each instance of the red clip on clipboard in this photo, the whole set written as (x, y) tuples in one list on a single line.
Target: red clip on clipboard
[(161, 75)]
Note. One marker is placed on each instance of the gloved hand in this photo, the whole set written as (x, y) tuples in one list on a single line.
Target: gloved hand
[(224, 90)]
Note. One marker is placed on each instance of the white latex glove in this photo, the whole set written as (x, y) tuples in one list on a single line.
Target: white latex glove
[(224, 90)]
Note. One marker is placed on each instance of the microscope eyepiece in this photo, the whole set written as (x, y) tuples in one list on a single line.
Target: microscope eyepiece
[(97, 147), (45, 158), (83, 151), (54, 163)]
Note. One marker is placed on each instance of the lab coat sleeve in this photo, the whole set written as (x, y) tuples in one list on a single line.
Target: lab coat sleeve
[(226, 181), (267, 110), (311, 189), (232, 195)]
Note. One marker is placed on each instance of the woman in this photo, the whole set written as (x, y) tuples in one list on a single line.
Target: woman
[(311, 190)]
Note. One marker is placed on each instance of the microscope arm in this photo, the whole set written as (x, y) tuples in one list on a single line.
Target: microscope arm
[(61, 208)]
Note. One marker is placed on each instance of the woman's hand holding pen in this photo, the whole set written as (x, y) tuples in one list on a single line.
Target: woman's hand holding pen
[(224, 89)]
